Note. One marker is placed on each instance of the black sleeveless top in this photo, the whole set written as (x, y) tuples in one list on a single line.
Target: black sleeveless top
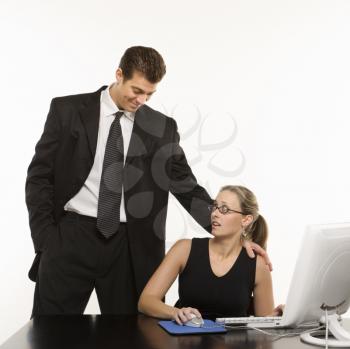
[(225, 296)]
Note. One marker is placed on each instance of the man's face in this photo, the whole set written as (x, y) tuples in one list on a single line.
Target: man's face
[(131, 94)]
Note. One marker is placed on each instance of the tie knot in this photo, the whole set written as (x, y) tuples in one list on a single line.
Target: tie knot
[(119, 114)]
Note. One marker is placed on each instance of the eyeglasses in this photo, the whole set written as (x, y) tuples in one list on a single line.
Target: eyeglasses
[(222, 209)]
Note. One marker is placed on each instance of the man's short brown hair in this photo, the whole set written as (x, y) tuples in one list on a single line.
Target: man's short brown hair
[(145, 60)]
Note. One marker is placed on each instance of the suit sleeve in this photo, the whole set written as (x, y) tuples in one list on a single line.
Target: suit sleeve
[(39, 188), (183, 185)]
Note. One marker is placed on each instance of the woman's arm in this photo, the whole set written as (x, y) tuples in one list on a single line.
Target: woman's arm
[(150, 302), (263, 292)]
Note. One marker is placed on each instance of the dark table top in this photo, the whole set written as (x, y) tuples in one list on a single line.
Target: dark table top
[(113, 331)]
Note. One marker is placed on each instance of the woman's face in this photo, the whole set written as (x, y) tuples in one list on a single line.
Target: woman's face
[(230, 223)]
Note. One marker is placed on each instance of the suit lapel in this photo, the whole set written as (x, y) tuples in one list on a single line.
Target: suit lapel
[(90, 117)]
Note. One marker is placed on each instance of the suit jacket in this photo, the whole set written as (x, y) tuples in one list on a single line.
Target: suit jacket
[(155, 165)]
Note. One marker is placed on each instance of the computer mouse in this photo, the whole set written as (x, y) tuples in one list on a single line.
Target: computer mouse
[(195, 322)]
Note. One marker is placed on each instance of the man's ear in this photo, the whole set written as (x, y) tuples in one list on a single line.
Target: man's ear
[(247, 219), (119, 76)]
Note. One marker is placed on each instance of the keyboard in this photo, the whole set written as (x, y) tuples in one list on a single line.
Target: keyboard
[(252, 321)]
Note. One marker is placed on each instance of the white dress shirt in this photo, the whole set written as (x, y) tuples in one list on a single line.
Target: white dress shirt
[(86, 200)]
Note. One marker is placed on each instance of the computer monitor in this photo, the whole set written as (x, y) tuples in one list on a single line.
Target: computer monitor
[(321, 276)]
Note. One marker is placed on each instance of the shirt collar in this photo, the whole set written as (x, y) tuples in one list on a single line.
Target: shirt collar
[(109, 108)]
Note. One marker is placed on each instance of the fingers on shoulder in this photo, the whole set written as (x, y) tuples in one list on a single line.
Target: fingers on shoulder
[(261, 265), (257, 248)]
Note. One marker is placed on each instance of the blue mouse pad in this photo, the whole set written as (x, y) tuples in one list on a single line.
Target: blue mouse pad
[(209, 327)]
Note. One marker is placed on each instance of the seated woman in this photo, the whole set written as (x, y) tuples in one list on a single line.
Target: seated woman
[(216, 276)]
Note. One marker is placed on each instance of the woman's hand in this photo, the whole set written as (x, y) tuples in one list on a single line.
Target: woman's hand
[(185, 314), (278, 311)]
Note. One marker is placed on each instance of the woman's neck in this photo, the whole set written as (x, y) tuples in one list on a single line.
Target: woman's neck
[(224, 247)]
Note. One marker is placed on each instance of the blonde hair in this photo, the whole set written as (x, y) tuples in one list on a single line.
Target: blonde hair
[(257, 230)]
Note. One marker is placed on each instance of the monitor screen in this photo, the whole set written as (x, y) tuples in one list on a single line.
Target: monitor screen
[(321, 276)]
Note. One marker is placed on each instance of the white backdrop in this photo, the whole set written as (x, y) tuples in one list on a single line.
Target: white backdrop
[(260, 90)]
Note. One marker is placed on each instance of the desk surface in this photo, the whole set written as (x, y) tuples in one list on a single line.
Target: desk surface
[(141, 332)]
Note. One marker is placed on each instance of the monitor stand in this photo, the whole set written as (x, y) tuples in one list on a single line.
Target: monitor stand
[(338, 331)]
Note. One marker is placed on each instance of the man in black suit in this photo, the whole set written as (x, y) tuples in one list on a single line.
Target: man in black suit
[(78, 250), (63, 188)]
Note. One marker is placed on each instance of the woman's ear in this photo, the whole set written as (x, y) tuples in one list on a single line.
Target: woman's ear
[(246, 220)]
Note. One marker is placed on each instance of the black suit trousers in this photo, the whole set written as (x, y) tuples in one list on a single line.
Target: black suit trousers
[(78, 259)]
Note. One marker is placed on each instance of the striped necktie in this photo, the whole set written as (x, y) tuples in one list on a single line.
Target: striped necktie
[(108, 210)]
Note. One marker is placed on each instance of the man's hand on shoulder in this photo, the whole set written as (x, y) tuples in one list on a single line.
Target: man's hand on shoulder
[(252, 247)]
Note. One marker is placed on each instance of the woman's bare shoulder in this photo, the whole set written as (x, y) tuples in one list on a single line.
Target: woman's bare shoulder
[(180, 251), (183, 243), (181, 246)]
